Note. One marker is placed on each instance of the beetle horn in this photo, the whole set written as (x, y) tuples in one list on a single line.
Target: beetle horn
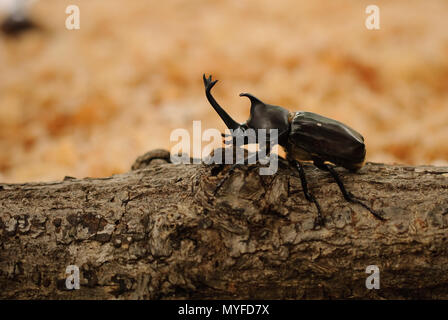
[(228, 120), (253, 100)]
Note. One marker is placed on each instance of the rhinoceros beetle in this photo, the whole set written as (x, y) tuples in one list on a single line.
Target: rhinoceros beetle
[(305, 136)]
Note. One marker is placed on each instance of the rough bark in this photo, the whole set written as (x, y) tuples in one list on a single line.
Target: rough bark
[(158, 232)]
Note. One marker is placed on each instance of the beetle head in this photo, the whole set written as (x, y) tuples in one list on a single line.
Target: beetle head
[(266, 116)]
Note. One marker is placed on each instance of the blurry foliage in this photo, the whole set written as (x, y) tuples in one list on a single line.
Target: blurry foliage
[(88, 102)]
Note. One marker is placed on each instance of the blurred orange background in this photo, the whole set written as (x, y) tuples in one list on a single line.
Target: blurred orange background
[(87, 102)]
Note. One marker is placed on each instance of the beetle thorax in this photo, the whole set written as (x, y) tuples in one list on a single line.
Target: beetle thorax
[(268, 117)]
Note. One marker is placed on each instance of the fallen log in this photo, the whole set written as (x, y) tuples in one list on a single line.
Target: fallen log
[(159, 232)]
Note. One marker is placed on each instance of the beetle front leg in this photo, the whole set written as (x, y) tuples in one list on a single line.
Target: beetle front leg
[(308, 195), (232, 169), (224, 179), (347, 195), (251, 158)]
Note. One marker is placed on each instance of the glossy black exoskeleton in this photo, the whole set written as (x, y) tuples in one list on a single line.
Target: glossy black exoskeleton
[(305, 136)]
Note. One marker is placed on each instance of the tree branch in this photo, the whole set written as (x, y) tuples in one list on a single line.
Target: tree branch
[(158, 232)]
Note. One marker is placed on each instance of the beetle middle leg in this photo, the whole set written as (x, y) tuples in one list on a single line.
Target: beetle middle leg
[(308, 195), (347, 195)]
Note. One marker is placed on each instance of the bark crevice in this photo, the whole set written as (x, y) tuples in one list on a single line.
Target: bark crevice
[(159, 232)]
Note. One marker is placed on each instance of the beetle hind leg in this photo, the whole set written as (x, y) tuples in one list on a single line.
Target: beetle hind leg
[(348, 196), (308, 195)]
